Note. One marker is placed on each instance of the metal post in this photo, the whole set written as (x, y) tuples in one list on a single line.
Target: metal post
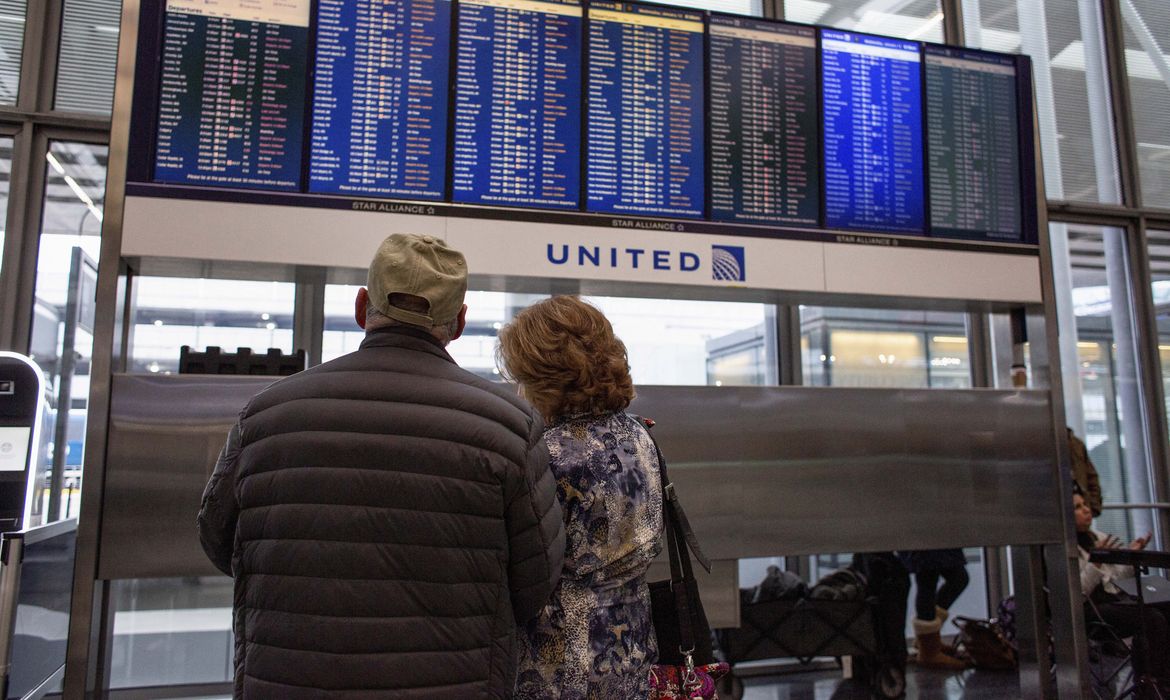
[(1031, 632), (109, 346), (309, 312), (786, 326), (65, 386)]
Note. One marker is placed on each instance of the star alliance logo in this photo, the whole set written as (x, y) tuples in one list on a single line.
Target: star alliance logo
[(727, 264)]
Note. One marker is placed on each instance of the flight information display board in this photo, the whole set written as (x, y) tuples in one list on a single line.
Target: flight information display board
[(872, 101), (765, 159), (591, 112), (232, 93), (645, 127), (379, 120), (517, 109), (974, 144)]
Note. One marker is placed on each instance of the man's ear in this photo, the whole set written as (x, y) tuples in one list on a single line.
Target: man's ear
[(360, 305), (462, 322)]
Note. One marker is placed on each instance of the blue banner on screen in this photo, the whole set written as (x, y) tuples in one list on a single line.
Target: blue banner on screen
[(379, 123), (765, 161), (973, 144), (872, 99), (518, 103), (232, 94), (646, 132)]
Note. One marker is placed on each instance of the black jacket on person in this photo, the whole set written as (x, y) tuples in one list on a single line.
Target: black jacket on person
[(389, 519)]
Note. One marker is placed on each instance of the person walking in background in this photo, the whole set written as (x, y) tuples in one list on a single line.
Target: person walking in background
[(390, 519), (595, 638), (1084, 473), (932, 601)]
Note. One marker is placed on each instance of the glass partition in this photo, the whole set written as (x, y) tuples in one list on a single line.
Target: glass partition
[(1147, 63), (175, 311), (669, 341), (12, 14), (911, 19), (881, 348), (1063, 37), (62, 330)]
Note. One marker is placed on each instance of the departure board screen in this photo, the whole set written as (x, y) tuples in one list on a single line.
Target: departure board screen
[(232, 93), (645, 132), (379, 124), (872, 105), (517, 137), (765, 159), (973, 144)]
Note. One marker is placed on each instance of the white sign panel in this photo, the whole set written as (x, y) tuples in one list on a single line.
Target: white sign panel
[(13, 449), (632, 250)]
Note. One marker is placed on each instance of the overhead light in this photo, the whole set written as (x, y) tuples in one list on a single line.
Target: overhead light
[(930, 23), (158, 322), (105, 29), (270, 326), (948, 339)]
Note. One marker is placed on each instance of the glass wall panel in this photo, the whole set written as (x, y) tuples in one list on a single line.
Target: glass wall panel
[(909, 19), (5, 182), (62, 340), (880, 348), (11, 47), (669, 341), (230, 314), (1105, 382), (739, 7), (88, 56), (1063, 37), (173, 631), (1147, 61)]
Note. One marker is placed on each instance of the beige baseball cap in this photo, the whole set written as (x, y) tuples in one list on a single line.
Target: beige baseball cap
[(422, 266)]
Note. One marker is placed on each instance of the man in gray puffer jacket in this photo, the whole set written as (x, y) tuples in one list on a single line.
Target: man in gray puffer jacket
[(389, 518)]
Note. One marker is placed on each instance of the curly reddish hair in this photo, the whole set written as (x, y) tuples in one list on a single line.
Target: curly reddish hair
[(566, 358)]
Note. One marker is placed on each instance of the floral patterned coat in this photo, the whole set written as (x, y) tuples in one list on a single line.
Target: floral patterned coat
[(595, 639)]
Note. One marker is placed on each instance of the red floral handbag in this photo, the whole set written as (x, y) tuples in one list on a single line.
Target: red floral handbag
[(688, 682)]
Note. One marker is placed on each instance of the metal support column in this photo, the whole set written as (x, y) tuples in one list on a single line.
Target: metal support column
[(309, 312), (87, 622), (786, 326)]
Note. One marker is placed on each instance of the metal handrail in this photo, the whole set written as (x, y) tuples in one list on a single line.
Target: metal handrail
[(1135, 506)]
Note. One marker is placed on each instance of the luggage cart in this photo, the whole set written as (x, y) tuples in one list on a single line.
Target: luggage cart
[(806, 628)]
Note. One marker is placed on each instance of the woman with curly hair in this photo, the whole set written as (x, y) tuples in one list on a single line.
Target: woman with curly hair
[(594, 639)]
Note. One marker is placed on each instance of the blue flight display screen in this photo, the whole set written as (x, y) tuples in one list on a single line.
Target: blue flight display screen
[(765, 159), (379, 124), (645, 133), (973, 144), (232, 94), (872, 107), (517, 136)]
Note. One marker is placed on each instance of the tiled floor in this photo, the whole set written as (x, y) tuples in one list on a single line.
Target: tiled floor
[(920, 685)]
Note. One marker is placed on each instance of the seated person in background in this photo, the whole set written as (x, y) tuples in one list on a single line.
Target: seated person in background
[(1105, 602)]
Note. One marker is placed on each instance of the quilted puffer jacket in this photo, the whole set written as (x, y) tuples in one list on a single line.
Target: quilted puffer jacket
[(389, 520)]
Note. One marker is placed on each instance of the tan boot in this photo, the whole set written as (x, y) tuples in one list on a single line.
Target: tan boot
[(941, 614), (930, 651)]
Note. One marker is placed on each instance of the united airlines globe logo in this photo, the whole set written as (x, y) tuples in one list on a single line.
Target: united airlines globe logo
[(727, 263)]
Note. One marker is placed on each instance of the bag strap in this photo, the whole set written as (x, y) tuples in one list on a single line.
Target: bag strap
[(675, 516), (679, 537)]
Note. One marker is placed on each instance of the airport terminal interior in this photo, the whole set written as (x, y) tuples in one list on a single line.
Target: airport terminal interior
[(869, 258)]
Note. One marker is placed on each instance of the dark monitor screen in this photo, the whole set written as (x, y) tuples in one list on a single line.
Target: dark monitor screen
[(379, 120), (973, 146), (517, 136), (765, 161), (871, 93), (645, 115), (232, 94)]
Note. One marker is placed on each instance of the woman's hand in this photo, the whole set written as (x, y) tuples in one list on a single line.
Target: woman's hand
[(1141, 542), (1109, 542)]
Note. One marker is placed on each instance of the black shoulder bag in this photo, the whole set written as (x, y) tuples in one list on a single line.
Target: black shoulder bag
[(684, 637)]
